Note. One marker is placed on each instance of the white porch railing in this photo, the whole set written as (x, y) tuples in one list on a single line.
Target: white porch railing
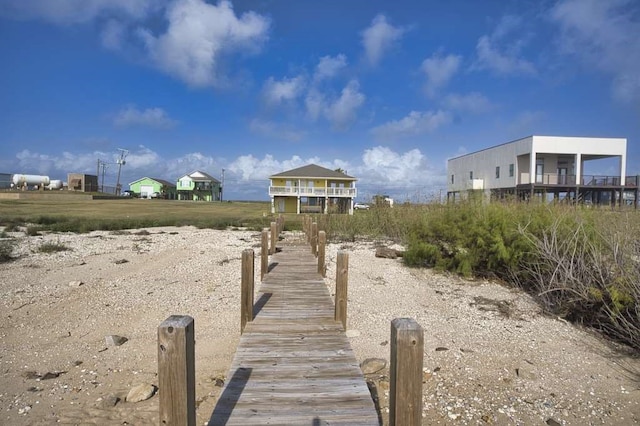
[(312, 192)]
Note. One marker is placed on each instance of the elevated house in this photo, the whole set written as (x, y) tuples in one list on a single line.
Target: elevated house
[(153, 188), (312, 189), (199, 186), (545, 166)]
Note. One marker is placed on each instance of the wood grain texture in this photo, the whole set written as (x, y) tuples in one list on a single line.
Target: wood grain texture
[(294, 364), (405, 371), (246, 291), (176, 371)]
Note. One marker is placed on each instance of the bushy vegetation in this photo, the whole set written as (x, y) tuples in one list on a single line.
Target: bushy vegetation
[(6, 250), (52, 247), (581, 263)]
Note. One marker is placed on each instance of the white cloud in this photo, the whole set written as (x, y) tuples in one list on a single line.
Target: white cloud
[(330, 66), (416, 123), (78, 11), (389, 166), (287, 89), (500, 52), (276, 131), (197, 37), (151, 117), (314, 103), (472, 102), (379, 38), (439, 70), (246, 177), (604, 35), (342, 112), (113, 34)]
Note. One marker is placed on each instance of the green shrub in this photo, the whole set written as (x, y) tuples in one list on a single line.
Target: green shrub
[(33, 231), (6, 250), (51, 247)]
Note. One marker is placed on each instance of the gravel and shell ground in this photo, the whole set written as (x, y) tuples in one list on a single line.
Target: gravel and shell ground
[(490, 355)]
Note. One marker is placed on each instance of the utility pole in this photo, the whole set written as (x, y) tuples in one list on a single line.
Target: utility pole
[(120, 162), (222, 185)]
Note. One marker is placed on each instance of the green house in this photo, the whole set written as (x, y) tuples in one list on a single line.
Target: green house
[(153, 188), (199, 186)]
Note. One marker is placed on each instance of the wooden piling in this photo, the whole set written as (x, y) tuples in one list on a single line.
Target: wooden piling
[(246, 293), (405, 394), (342, 277), (322, 242), (274, 237), (176, 371), (264, 254), (314, 238)]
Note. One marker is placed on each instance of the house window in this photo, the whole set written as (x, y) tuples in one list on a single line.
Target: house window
[(452, 179), (471, 175), (511, 170), (497, 172)]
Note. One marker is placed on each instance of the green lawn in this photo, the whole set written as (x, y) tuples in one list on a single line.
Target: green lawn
[(87, 215)]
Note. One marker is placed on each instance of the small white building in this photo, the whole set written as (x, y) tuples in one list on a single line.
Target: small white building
[(538, 165)]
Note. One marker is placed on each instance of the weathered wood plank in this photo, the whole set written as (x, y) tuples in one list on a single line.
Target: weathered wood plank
[(294, 363)]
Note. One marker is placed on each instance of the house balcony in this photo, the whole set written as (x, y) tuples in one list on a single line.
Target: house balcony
[(554, 179), (296, 191)]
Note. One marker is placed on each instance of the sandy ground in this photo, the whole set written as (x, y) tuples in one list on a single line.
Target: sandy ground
[(491, 356)]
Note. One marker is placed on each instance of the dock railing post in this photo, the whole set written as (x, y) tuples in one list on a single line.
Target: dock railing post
[(322, 242), (176, 371), (274, 237), (246, 292), (405, 393), (342, 277), (264, 254), (314, 238)]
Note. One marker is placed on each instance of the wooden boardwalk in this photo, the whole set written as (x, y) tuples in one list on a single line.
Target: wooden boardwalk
[(294, 364)]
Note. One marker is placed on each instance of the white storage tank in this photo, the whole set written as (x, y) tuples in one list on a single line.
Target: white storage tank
[(20, 180), (54, 184)]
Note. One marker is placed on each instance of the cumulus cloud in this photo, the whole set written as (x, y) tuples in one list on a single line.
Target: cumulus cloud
[(379, 38), (150, 117), (113, 34), (471, 102), (199, 35), (78, 11), (343, 111), (604, 35), (329, 66), (246, 177), (500, 52), (439, 70), (273, 130), (279, 91), (416, 123)]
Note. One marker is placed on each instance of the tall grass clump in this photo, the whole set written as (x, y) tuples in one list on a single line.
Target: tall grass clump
[(586, 268), (582, 264)]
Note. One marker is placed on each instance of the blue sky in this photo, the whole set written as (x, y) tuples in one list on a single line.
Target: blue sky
[(384, 90)]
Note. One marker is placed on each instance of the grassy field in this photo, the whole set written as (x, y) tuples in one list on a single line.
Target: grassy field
[(87, 215)]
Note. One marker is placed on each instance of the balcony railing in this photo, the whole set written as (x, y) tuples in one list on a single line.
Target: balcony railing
[(585, 180), (312, 192)]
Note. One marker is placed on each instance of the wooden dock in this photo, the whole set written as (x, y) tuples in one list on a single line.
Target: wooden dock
[(294, 364)]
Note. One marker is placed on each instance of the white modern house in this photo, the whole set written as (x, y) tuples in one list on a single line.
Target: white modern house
[(539, 165)]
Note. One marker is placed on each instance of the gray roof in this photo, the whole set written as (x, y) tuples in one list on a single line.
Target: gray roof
[(207, 177), (312, 171)]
